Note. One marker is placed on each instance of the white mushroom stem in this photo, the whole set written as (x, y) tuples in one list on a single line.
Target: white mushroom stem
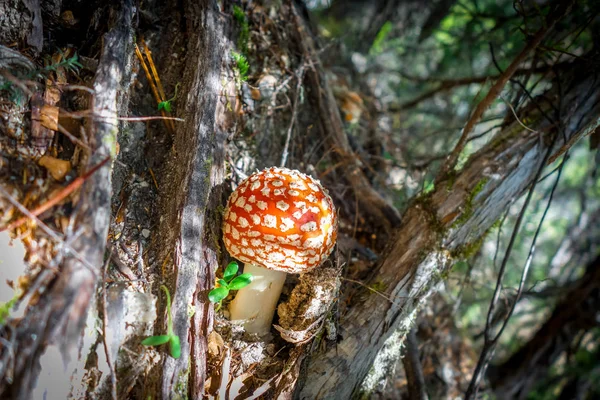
[(255, 303)]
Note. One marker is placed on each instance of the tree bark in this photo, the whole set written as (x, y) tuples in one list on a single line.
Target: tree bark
[(50, 331)]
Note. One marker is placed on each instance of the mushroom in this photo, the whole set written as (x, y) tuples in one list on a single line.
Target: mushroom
[(277, 221)]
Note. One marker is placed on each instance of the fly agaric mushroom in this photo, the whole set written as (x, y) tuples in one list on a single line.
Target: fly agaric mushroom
[(277, 221)]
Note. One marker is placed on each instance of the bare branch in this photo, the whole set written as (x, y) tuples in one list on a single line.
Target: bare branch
[(553, 17)]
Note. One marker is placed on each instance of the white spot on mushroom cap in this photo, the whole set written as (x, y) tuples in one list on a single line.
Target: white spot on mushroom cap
[(309, 227), (297, 185), (232, 216), (255, 185), (312, 198), (276, 256), (286, 224), (262, 205), (314, 242), (282, 205), (252, 199), (277, 183), (270, 221), (243, 222), (235, 233), (240, 201), (248, 208), (294, 193), (256, 219)]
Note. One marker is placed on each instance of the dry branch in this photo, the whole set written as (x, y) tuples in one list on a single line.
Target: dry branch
[(553, 17)]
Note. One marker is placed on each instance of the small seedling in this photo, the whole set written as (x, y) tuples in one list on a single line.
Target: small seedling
[(229, 282), (170, 337), (166, 105), (71, 64), (6, 307), (241, 65)]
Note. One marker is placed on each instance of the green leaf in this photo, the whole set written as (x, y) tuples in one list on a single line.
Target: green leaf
[(240, 281), (230, 271), (223, 283), (164, 105), (218, 294), (175, 346), (156, 340)]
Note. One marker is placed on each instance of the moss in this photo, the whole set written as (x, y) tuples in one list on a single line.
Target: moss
[(451, 180), (496, 224), (181, 387), (424, 201), (468, 207), (378, 286), (468, 250)]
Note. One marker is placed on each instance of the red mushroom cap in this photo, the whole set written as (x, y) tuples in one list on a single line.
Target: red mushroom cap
[(280, 219)]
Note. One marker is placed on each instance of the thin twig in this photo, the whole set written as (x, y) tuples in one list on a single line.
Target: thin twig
[(489, 343), (46, 229), (370, 288), (516, 117), (553, 17), (66, 191), (150, 118)]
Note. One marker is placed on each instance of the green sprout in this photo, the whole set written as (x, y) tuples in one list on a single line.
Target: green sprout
[(6, 307), (71, 64), (166, 105), (240, 17), (170, 337), (241, 65), (229, 282)]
